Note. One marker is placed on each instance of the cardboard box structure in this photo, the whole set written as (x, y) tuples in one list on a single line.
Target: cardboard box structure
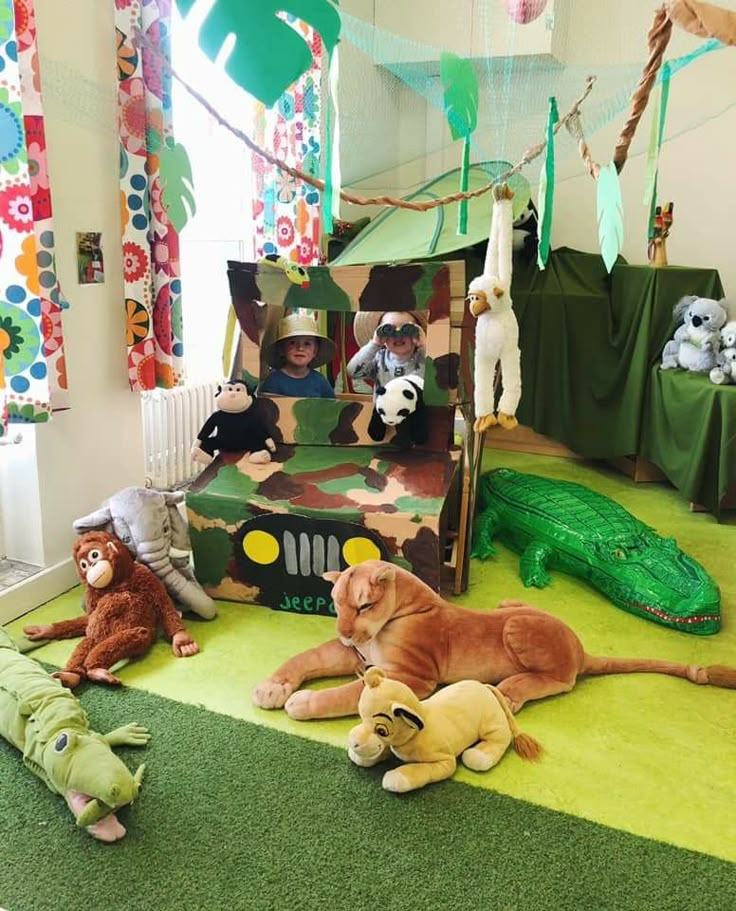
[(332, 497)]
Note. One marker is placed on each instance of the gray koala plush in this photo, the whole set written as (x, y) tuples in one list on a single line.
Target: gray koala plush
[(725, 368), (154, 531), (697, 341)]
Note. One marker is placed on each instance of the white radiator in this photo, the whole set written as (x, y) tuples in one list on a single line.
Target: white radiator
[(172, 418)]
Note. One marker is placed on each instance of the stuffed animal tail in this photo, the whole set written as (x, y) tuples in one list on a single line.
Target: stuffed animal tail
[(525, 745), (713, 674)]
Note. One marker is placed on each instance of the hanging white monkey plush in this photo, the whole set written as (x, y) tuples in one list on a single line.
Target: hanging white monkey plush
[(496, 331)]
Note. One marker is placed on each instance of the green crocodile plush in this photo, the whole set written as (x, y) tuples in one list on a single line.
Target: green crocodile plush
[(48, 725), (561, 525)]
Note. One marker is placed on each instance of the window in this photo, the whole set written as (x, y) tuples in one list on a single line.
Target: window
[(222, 227)]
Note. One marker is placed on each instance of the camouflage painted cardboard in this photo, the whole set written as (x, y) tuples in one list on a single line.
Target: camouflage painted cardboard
[(387, 502), (340, 422), (261, 294), (264, 533)]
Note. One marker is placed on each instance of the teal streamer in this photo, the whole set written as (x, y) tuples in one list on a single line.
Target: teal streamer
[(547, 187), (665, 75)]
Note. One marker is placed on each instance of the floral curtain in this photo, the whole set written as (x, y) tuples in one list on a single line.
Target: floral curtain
[(150, 243), (32, 367), (286, 211)]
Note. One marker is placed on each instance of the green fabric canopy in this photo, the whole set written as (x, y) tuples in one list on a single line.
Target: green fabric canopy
[(404, 235)]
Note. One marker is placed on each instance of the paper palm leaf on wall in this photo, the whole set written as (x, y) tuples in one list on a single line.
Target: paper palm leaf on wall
[(268, 55), (178, 186), (610, 215), (460, 85)]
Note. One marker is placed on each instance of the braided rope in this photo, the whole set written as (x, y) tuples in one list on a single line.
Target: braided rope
[(658, 39), (575, 129)]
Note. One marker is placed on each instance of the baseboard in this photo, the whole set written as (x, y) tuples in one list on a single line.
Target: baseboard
[(37, 590), (524, 439), (638, 469)]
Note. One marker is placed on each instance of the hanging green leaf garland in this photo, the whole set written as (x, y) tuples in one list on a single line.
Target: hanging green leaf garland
[(269, 55), (610, 214), (460, 84), (545, 200), (178, 184)]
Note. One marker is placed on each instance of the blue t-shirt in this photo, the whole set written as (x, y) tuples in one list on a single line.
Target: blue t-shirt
[(312, 386)]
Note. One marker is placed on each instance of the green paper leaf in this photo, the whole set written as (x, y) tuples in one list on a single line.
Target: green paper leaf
[(177, 183), (269, 55), (610, 215), (460, 99), (545, 200), (460, 85)]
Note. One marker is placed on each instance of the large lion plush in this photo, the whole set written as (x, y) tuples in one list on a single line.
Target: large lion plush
[(387, 618)]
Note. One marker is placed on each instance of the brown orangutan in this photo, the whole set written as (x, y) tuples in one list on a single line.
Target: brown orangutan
[(125, 603)]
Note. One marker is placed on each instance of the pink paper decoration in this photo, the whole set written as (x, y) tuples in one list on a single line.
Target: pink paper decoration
[(524, 11)]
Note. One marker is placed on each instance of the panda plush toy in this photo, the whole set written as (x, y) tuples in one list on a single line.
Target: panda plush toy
[(525, 239), (400, 404)]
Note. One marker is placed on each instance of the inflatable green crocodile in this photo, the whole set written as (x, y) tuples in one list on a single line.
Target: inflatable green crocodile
[(47, 724), (562, 525)]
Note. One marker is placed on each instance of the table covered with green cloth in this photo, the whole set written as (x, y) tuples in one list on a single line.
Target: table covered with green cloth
[(588, 343), (689, 431)]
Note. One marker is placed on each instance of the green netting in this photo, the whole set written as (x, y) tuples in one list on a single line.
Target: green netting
[(387, 78)]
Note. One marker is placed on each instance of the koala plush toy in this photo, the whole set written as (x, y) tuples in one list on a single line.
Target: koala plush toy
[(697, 341), (725, 368)]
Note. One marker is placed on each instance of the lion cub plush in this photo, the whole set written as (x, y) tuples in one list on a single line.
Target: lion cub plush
[(468, 718)]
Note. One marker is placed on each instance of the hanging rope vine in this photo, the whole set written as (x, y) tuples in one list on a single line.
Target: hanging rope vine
[(702, 19), (141, 41)]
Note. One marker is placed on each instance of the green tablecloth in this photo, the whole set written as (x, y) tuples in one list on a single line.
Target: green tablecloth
[(589, 341), (689, 431)]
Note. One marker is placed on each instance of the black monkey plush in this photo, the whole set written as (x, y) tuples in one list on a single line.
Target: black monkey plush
[(235, 427)]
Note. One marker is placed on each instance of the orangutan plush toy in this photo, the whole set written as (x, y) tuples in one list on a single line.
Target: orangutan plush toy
[(125, 604)]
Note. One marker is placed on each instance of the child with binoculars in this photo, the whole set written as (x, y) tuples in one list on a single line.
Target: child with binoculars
[(392, 344)]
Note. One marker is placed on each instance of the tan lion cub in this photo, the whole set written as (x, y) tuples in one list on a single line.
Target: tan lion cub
[(468, 718)]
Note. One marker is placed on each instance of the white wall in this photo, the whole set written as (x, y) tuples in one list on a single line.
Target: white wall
[(696, 168), (95, 448)]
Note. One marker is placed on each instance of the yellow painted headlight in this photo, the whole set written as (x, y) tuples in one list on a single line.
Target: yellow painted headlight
[(261, 547), (357, 550)]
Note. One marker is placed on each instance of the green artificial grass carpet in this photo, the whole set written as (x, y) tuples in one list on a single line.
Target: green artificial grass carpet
[(236, 816), (649, 755)]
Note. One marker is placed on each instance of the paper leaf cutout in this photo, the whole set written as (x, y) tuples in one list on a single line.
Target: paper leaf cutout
[(177, 183), (545, 199), (460, 97), (610, 215), (269, 55)]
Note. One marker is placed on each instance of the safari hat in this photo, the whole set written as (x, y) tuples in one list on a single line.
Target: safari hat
[(366, 322), (299, 324)]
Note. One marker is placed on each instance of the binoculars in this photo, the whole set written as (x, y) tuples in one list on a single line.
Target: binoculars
[(408, 330)]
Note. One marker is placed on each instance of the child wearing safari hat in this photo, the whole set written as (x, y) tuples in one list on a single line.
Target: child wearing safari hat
[(299, 348), (391, 344)]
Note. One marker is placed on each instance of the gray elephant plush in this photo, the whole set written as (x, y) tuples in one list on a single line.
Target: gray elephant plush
[(697, 341), (150, 525)]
